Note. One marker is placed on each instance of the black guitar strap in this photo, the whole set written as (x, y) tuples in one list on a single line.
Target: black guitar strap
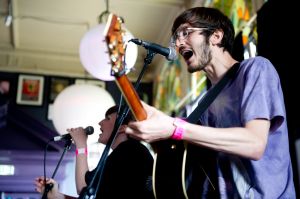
[(196, 177), (212, 94)]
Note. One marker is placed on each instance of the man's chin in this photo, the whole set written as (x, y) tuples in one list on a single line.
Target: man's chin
[(192, 69)]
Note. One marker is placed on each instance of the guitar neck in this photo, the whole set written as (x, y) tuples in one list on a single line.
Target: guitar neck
[(115, 43), (131, 97)]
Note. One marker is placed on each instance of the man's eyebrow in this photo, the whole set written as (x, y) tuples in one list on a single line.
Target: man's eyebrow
[(181, 27)]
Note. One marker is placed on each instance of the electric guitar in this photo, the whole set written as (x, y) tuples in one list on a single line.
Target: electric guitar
[(172, 176)]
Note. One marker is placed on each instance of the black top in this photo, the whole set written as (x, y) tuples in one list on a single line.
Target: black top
[(127, 173)]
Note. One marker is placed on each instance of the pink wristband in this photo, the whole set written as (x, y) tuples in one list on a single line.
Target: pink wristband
[(179, 130), (81, 151)]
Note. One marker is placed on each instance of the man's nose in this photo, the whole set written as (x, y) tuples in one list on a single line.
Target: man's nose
[(179, 42)]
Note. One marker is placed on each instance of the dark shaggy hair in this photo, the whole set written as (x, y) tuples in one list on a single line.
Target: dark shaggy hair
[(211, 19)]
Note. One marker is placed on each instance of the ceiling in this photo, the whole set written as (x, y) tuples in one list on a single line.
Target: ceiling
[(44, 35)]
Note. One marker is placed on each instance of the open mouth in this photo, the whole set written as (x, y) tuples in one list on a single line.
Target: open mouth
[(187, 54)]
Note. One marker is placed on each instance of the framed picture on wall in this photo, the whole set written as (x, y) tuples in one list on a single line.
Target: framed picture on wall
[(57, 84), (30, 90)]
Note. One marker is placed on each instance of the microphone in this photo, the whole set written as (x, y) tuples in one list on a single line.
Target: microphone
[(169, 53), (88, 130)]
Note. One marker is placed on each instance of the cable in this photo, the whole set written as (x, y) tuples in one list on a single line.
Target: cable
[(48, 187)]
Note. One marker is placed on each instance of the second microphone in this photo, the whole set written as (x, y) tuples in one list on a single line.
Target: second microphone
[(88, 130)]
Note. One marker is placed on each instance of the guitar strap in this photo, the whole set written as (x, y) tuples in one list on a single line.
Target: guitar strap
[(212, 94), (208, 171)]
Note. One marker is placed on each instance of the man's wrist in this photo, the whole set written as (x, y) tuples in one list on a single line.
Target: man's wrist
[(179, 129)]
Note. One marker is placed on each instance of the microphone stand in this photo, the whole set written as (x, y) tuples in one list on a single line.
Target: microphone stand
[(90, 191), (48, 187)]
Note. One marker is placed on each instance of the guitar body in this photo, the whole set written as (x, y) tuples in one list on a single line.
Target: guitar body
[(167, 169), (181, 170)]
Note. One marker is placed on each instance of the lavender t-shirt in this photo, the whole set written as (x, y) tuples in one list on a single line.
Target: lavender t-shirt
[(255, 93)]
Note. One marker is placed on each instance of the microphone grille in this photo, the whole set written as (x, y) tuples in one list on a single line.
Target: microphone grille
[(172, 55), (89, 130)]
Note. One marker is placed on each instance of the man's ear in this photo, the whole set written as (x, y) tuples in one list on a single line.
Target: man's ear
[(216, 37)]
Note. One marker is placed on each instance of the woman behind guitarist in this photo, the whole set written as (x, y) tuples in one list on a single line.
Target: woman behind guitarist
[(245, 125), (128, 169)]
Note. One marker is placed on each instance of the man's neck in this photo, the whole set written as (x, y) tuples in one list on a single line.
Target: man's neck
[(219, 66)]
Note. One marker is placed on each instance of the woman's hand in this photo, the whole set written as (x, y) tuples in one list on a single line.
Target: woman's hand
[(78, 136), (53, 193)]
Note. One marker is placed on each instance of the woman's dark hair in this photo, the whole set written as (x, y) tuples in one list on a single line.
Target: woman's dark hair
[(115, 109), (210, 19)]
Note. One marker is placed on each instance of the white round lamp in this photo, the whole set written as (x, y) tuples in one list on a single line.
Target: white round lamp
[(94, 55), (81, 106)]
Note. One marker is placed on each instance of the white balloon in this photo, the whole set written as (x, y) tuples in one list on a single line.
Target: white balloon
[(81, 106), (94, 55)]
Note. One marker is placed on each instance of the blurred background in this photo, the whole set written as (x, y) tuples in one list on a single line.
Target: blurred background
[(54, 74)]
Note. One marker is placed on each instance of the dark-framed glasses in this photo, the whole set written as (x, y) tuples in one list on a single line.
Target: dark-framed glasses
[(183, 34)]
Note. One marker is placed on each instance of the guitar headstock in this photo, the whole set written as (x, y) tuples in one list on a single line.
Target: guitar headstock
[(114, 35)]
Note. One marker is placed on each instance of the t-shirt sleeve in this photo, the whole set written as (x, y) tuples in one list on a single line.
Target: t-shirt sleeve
[(262, 97)]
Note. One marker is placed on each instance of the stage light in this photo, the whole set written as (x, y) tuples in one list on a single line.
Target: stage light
[(93, 50), (94, 55), (81, 106)]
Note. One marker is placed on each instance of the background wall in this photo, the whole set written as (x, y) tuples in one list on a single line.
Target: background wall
[(26, 131)]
